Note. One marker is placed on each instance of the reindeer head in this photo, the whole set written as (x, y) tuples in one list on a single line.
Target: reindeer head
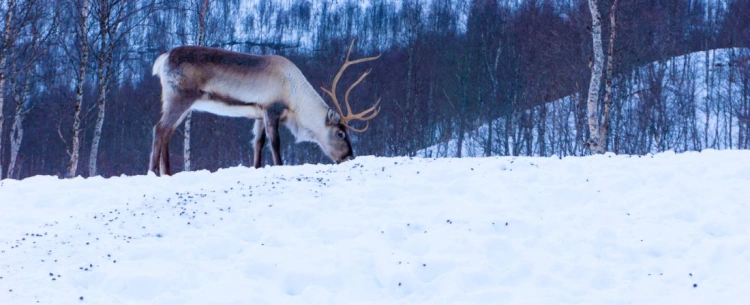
[(336, 143)]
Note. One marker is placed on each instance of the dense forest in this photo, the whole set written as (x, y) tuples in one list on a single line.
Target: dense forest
[(77, 96)]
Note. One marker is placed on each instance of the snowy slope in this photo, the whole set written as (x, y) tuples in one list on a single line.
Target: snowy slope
[(593, 230), (702, 81)]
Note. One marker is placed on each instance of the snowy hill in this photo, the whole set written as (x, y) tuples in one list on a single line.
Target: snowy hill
[(663, 229), (694, 101)]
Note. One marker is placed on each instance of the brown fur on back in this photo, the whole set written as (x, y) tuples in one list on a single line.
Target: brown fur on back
[(195, 69), (203, 55)]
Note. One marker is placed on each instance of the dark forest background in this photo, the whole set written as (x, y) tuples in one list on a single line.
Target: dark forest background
[(447, 68)]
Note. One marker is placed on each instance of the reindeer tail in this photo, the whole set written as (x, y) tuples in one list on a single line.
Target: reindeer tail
[(159, 63)]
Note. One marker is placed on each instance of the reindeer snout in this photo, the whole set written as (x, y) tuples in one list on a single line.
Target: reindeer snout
[(347, 158)]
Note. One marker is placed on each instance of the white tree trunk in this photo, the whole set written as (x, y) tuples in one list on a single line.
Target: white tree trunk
[(7, 45), (16, 136), (186, 142), (2, 121), (76, 145), (97, 132), (608, 79), (189, 117), (592, 105), (102, 76), (21, 96)]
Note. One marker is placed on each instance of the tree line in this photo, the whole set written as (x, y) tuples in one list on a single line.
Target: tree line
[(507, 77)]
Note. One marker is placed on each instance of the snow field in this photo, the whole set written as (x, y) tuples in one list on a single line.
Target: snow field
[(592, 230)]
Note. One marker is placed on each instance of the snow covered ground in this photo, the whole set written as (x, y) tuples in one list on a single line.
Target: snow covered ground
[(663, 229)]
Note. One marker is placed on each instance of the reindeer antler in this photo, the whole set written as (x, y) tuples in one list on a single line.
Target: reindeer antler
[(364, 116)]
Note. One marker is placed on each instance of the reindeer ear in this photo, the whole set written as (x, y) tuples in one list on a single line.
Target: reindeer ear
[(333, 118)]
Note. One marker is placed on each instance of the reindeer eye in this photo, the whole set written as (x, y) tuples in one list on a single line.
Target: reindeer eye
[(340, 134)]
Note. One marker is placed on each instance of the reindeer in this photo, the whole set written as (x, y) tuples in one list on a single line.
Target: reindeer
[(269, 89)]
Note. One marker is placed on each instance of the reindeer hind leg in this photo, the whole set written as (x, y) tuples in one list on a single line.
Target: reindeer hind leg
[(155, 160), (173, 113), (258, 142), (273, 116)]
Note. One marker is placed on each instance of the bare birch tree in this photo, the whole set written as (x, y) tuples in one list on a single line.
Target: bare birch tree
[(592, 104), (21, 95), (104, 11), (7, 45), (189, 118), (78, 54), (602, 145), (116, 20), (35, 33)]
